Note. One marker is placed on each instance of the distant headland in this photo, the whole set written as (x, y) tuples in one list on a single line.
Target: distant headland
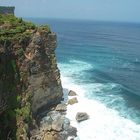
[(7, 10)]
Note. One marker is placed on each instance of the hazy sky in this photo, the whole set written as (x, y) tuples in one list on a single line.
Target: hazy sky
[(114, 10)]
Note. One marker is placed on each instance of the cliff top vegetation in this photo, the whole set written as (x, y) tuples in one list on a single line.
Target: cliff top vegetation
[(13, 28)]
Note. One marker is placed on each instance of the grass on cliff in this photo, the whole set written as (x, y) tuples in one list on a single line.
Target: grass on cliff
[(12, 28)]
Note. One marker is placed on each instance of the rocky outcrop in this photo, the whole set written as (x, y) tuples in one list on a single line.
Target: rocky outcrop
[(72, 101), (54, 126), (29, 78), (61, 107), (82, 116), (72, 93)]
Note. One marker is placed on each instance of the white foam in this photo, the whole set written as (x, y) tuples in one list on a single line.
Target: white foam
[(74, 68), (104, 123)]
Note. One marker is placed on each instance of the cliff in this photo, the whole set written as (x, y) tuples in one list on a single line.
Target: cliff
[(29, 78)]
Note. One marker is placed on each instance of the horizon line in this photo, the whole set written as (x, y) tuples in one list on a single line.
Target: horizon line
[(80, 19)]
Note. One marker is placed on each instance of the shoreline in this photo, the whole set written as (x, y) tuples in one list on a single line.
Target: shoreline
[(104, 122), (73, 109)]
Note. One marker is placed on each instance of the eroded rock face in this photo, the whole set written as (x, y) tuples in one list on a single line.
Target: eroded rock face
[(61, 107), (44, 74), (54, 126)]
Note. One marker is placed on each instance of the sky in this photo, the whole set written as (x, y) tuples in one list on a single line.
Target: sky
[(106, 10)]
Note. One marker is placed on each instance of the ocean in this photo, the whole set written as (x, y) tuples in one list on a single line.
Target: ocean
[(101, 62)]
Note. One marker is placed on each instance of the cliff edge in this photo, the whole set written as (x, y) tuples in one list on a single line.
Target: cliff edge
[(29, 78)]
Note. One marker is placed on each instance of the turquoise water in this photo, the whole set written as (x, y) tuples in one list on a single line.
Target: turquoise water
[(101, 62)]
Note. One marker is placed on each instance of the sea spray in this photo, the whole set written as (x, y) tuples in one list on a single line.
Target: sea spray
[(105, 123)]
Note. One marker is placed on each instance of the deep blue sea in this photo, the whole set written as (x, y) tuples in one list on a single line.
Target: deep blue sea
[(101, 62)]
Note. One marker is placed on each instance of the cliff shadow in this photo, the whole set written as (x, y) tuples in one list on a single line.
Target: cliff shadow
[(8, 95)]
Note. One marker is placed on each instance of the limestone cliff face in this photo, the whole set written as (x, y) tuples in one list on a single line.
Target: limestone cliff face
[(44, 75), (29, 77)]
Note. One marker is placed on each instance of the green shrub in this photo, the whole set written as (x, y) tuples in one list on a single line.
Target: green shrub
[(24, 112), (13, 27)]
